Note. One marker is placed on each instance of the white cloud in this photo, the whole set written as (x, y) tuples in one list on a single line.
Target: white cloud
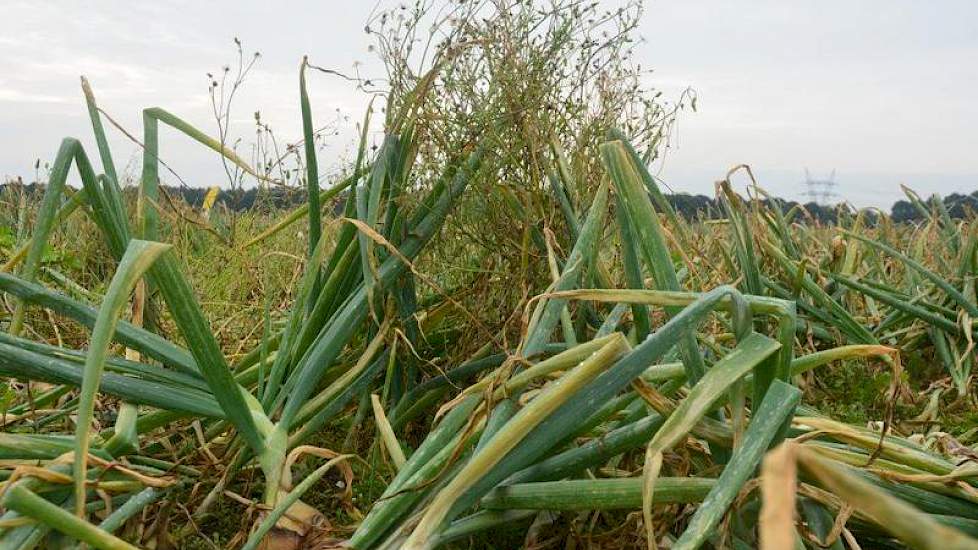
[(883, 93)]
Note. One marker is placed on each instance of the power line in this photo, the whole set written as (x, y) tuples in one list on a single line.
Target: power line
[(820, 191)]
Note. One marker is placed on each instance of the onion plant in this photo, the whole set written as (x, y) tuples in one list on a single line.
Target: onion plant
[(273, 405), (654, 372)]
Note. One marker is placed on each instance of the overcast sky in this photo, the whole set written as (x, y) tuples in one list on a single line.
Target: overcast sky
[(882, 92)]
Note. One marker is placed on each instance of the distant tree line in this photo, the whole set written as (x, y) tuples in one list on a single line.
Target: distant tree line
[(271, 198), (691, 207), (957, 205), (703, 207)]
